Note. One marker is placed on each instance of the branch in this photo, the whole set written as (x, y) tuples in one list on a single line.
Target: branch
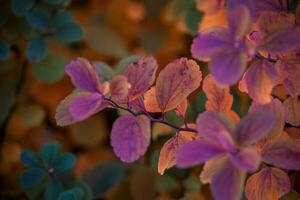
[(152, 119)]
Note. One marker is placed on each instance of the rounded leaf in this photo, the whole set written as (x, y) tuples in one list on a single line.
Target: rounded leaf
[(50, 153), (54, 188), (30, 159), (130, 137), (21, 7), (38, 19), (65, 162), (32, 177), (69, 32), (4, 51), (37, 49)]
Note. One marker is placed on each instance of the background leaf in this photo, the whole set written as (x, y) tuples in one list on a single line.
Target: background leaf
[(20, 7), (69, 32), (4, 51), (37, 49)]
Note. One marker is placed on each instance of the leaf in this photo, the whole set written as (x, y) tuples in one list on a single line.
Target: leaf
[(21, 7), (106, 72), (30, 159), (68, 195), (65, 162), (53, 190), (130, 137), (165, 183), (38, 19), (192, 18), (175, 82), (268, 184), (292, 107), (4, 50), (50, 153), (60, 18), (50, 69), (103, 177), (106, 41), (69, 32), (32, 114), (119, 88), (7, 100), (150, 101), (140, 74), (192, 184), (86, 191), (37, 49), (124, 62), (292, 195), (32, 177)]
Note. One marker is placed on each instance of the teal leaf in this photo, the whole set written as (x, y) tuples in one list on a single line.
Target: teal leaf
[(53, 190), (32, 177), (60, 18), (30, 159), (50, 70), (4, 51), (103, 177), (87, 193), (37, 49), (50, 153), (65, 162), (21, 7), (124, 62), (69, 32), (54, 2), (192, 19), (105, 71), (165, 183), (38, 19), (68, 195)]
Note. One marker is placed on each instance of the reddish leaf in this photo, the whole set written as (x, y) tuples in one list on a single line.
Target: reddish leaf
[(292, 108), (130, 137), (268, 184), (119, 87), (175, 82), (140, 74)]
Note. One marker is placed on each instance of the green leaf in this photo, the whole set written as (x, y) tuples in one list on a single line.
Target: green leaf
[(192, 19), (106, 41), (68, 195), (105, 71), (51, 69), (103, 177), (38, 19), (21, 7), (37, 49), (124, 62), (4, 50), (50, 153), (165, 183), (32, 177), (60, 18), (53, 190), (192, 184), (54, 2), (69, 32), (197, 106), (30, 159), (154, 159), (292, 195), (65, 162)]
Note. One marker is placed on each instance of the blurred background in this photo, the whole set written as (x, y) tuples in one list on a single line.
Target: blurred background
[(38, 38)]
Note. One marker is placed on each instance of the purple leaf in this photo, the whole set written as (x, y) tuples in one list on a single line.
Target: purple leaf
[(197, 152), (130, 137), (248, 159), (239, 21), (83, 75)]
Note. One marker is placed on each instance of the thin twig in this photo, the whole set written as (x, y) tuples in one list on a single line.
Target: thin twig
[(152, 119)]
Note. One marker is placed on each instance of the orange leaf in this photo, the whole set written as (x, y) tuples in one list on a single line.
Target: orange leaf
[(292, 108)]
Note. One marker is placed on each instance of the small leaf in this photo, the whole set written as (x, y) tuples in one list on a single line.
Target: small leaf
[(292, 195), (292, 106), (175, 82), (165, 183), (21, 7), (60, 18), (69, 32), (269, 183), (192, 184), (32, 177), (192, 19), (65, 162), (50, 153), (68, 195), (124, 62), (106, 72), (30, 159), (130, 137), (37, 49), (54, 2), (53, 190), (103, 177), (50, 69), (4, 51), (38, 19)]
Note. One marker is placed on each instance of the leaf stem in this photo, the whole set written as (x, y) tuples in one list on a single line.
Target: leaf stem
[(152, 119)]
